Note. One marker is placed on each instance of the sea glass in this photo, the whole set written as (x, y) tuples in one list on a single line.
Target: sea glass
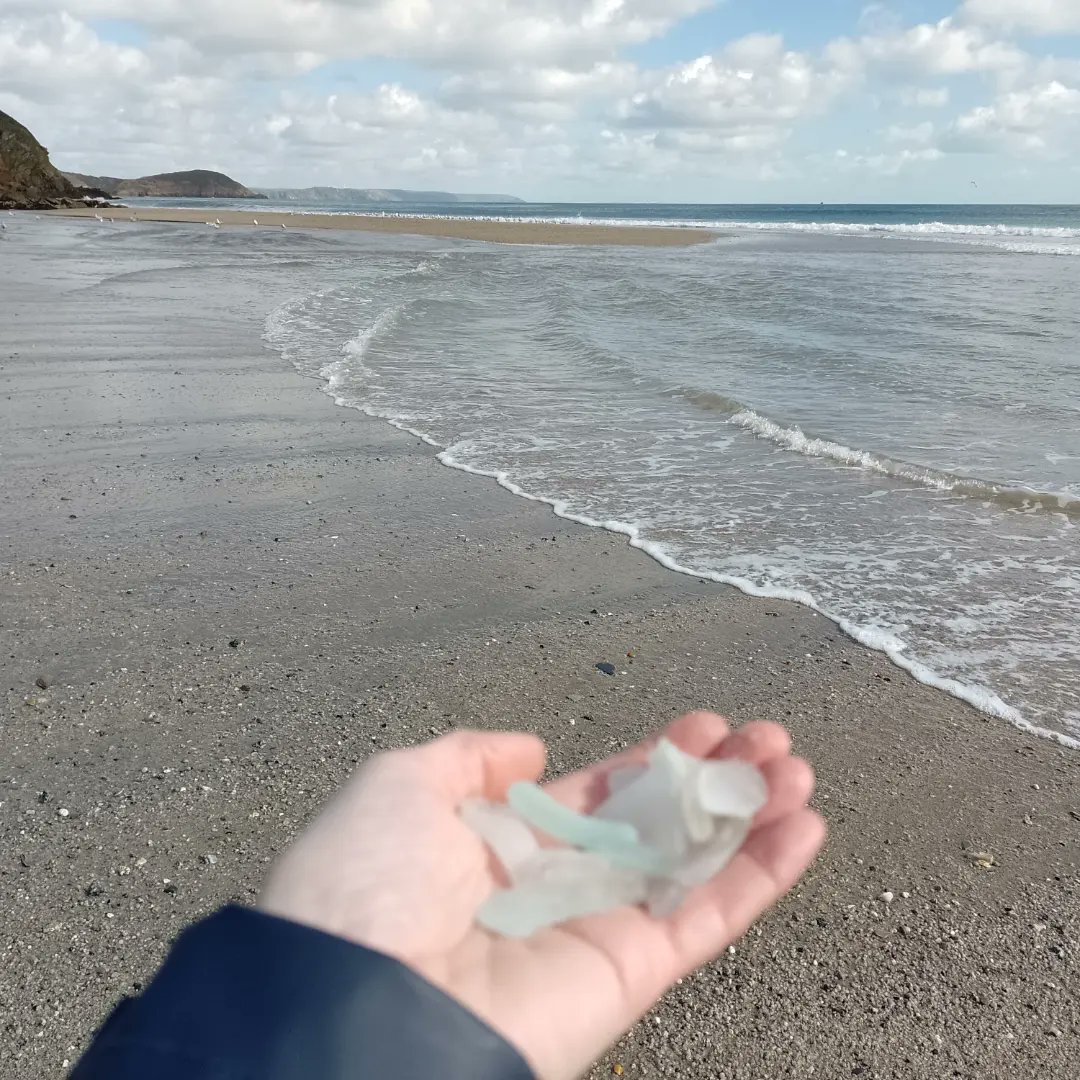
[(560, 885), (665, 828)]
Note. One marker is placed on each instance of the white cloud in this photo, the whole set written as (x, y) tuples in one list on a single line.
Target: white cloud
[(925, 97), (934, 49), (127, 110), (1043, 120), (1035, 16), (34, 53), (77, 92), (538, 93), (914, 135), (520, 94), (572, 33), (744, 98), (878, 18), (886, 164)]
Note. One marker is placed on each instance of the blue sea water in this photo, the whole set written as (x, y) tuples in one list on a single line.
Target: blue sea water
[(870, 410), (1060, 222)]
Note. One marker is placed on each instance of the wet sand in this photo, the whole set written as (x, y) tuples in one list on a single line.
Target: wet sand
[(234, 591), (502, 232)]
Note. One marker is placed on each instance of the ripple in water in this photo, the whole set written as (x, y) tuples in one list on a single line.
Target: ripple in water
[(887, 433)]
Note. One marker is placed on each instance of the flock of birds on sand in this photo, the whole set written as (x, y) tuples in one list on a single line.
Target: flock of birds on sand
[(216, 223), (111, 220)]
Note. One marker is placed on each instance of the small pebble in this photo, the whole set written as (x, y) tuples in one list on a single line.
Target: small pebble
[(887, 897)]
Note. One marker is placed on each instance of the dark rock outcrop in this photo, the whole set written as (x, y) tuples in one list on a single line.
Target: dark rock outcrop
[(28, 180)]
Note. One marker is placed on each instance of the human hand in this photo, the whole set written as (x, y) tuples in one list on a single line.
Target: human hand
[(389, 864)]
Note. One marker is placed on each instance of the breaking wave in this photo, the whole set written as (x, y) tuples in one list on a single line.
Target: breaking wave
[(1008, 496), (795, 440)]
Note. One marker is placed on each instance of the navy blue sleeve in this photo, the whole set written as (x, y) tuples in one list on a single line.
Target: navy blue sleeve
[(246, 996)]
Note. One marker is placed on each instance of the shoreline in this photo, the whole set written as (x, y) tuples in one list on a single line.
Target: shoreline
[(495, 232), (985, 702), (376, 599)]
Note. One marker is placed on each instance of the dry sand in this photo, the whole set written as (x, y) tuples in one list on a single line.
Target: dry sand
[(235, 591), (502, 232)]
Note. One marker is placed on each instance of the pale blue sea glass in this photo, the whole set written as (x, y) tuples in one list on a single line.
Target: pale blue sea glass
[(664, 829), (617, 841)]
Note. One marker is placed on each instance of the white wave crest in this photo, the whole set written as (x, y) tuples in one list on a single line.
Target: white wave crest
[(351, 363), (921, 228), (980, 697), (1010, 497), (422, 269)]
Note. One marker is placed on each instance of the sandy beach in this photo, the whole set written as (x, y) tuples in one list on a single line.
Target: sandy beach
[(500, 232), (222, 592)]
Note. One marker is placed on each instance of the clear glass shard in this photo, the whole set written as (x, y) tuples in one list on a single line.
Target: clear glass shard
[(512, 841), (708, 860), (731, 789), (561, 885), (664, 829)]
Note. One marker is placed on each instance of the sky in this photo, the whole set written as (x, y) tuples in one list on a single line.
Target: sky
[(563, 100)]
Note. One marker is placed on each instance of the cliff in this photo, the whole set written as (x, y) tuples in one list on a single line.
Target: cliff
[(28, 180), (194, 184), (100, 183)]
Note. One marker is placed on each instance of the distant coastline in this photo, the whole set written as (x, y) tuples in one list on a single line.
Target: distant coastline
[(193, 184), (334, 196)]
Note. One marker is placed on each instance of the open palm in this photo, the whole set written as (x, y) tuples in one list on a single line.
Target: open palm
[(390, 865)]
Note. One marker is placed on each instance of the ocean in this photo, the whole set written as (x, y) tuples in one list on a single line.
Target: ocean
[(1022, 229), (873, 411)]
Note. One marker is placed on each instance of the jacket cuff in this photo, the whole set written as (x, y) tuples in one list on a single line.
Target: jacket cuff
[(248, 995)]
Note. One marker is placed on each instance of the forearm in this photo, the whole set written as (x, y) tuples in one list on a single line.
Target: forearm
[(246, 996)]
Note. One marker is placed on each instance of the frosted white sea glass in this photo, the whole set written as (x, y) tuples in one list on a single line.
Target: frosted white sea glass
[(664, 829), (559, 885), (510, 839)]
